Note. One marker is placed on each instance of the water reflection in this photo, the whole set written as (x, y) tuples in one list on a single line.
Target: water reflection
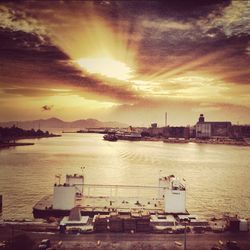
[(217, 179)]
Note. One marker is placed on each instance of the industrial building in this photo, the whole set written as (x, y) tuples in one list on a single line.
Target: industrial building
[(154, 130), (212, 129), (167, 131), (240, 131)]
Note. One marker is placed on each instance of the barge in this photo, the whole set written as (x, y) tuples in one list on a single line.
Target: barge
[(168, 197)]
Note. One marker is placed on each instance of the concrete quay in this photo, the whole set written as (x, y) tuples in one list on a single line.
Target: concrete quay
[(144, 241), (127, 241)]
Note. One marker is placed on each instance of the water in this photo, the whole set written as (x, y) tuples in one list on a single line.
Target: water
[(217, 176)]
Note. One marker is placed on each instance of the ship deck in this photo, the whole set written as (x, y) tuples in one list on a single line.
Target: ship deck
[(91, 205), (104, 199)]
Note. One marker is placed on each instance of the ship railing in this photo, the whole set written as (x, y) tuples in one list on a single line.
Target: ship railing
[(101, 190)]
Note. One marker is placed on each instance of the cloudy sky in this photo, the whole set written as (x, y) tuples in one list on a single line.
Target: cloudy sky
[(129, 61)]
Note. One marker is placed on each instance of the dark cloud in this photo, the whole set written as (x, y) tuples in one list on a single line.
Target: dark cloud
[(32, 92), (40, 65), (170, 39), (177, 9)]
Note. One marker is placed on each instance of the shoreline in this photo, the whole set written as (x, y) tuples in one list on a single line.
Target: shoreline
[(179, 140), (183, 141), (15, 144), (214, 142)]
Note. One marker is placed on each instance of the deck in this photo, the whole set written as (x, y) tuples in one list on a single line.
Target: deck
[(93, 205)]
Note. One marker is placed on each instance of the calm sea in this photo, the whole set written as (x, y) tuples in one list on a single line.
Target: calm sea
[(217, 176)]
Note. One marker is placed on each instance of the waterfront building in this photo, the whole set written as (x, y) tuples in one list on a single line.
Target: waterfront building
[(192, 132), (154, 130), (240, 131), (154, 125), (177, 132), (212, 129), (167, 132)]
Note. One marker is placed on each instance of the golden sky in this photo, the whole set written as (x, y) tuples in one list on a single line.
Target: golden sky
[(129, 61)]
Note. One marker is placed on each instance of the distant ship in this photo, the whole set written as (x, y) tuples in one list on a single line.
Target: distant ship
[(131, 136), (110, 137)]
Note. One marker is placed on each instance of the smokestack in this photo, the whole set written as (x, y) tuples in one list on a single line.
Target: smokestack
[(166, 119)]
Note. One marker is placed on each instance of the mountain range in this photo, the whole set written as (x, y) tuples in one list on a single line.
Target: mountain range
[(55, 123)]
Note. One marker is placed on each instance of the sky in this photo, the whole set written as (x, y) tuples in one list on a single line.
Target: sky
[(126, 61)]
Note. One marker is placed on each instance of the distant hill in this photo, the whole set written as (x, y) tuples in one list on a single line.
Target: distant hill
[(55, 123)]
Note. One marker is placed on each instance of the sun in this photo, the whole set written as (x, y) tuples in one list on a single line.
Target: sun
[(108, 67)]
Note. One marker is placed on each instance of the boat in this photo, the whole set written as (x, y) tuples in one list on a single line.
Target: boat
[(169, 197), (131, 136), (110, 137)]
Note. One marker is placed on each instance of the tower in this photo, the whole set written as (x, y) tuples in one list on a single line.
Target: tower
[(201, 118), (166, 119)]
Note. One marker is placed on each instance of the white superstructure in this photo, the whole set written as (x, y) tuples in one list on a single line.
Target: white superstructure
[(175, 196), (66, 195), (74, 179), (171, 193)]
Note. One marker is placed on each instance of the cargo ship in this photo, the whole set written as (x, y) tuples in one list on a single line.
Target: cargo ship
[(168, 197)]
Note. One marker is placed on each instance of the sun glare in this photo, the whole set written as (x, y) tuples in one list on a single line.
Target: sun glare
[(106, 67)]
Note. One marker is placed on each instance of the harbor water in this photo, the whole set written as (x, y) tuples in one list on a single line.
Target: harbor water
[(217, 176)]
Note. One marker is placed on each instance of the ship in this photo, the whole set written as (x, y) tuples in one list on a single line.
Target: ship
[(110, 137), (168, 197), (131, 136)]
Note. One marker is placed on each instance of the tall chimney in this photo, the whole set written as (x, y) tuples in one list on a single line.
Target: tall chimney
[(166, 119)]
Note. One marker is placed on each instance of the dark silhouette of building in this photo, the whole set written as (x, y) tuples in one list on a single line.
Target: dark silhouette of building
[(177, 132), (240, 131), (212, 129)]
